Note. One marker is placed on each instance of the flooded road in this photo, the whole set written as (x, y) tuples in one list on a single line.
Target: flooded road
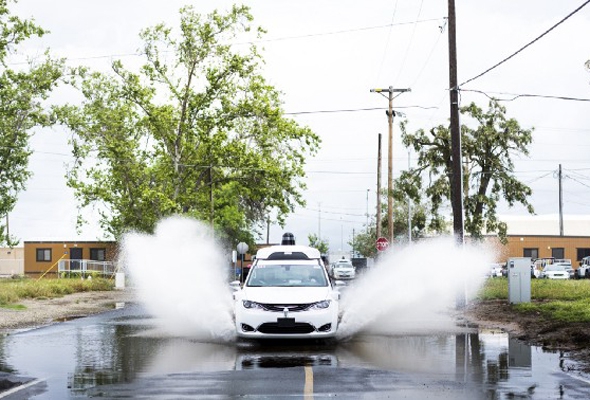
[(123, 354)]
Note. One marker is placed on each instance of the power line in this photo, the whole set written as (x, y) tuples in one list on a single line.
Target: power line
[(576, 180), (369, 28), (344, 31), (355, 110), (387, 41), (516, 96), (527, 45), (442, 29), (409, 44)]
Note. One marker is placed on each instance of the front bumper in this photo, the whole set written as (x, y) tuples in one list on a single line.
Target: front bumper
[(308, 324), (343, 276)]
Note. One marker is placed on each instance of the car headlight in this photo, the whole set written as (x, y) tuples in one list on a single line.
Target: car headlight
[(321, 304), (250, 304)]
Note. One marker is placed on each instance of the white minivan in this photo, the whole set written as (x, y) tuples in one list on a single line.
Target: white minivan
[(287, 295)]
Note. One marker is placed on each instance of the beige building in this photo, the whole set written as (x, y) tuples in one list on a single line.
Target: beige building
[(12, 261)]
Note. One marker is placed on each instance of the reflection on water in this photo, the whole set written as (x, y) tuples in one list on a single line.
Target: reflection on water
[(74, 357)]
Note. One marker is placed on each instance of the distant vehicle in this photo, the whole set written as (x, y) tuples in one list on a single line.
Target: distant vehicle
[(343, 269), (555, 271), (567, 264), (495, 270), (538, 264), (583, 271), (563, 261), (287, 295)]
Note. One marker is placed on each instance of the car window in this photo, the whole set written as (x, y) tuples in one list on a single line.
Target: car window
[(287, 275)]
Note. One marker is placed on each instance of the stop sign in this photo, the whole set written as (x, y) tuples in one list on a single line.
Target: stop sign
[(382, 244)]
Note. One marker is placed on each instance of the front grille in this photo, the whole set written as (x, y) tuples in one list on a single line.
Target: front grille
[(290, 307), (296, 328)]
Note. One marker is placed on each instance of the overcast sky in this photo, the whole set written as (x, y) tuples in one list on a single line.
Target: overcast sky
[(325, 56)]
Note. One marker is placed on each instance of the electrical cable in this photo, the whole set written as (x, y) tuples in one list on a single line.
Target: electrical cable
[(401, 69), (516, 96), (355, 110), (442, 29), (527, 45), (387, 41)]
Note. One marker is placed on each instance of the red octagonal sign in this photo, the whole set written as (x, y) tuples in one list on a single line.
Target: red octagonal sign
[(382, 244)]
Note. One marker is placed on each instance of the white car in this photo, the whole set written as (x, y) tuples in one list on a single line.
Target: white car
[(287, 295), (343, 269), (555, 271), (495, 270)]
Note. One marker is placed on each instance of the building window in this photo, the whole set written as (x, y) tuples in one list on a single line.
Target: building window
[(98, 254), (532, 253), (43, 255), (557, 252), (582, 252)]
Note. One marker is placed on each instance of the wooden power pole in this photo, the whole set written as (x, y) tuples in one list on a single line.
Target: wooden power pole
[(390, 115), (457, 170)]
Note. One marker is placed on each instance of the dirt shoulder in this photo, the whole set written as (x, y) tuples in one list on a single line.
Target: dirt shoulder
[(40, 312), (533, 329)]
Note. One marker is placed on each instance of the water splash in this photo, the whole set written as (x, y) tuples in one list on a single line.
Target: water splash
[(412, 290), (180, 275)]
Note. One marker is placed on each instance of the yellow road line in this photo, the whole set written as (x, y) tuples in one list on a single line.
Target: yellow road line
[(308, 388)]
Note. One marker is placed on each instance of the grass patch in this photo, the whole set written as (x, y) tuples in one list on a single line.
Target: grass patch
[(14, 306), (565, 311), (12, 291), (560, 300)]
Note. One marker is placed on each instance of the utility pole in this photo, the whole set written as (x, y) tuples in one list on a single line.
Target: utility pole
[(390, 115), (560, 177), (368, 190), (319, 221), (457, 170), (378, 218), (409, 209)]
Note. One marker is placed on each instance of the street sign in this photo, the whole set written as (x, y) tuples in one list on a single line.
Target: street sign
[(382, 244)]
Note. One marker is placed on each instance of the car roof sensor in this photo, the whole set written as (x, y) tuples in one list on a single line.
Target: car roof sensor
[(288, 239)]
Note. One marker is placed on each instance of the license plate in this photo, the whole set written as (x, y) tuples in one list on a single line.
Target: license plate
[(284, 322)]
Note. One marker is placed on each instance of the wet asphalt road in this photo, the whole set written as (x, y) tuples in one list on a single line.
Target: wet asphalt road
[(121, 354)]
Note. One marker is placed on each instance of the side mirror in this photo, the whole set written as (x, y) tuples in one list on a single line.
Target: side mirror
[(235, 285)]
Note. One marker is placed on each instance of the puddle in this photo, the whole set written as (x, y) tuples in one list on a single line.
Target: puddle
[(79, 356)]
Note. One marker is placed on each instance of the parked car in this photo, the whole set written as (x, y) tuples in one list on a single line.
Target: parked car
[(583, 270), (288, 294), (555, 271), (539, 264), (495, 270), (567, 264), (343, 269)]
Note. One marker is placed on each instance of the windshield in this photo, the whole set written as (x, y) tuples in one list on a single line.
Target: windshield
[(284, 275)]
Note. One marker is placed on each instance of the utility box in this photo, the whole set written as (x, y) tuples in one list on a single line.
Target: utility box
[(519, 280)]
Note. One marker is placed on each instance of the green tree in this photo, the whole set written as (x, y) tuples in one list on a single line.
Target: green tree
[(318, 243), (488, 177), (196, 131), (22, 93), (364, 241)]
